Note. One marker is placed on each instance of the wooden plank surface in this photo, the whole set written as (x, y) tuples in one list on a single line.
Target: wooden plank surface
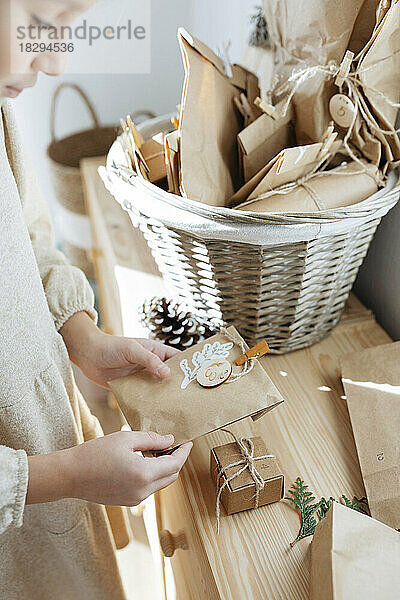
[(311, 435)]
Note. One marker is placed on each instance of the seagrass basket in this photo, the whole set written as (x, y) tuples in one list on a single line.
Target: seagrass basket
[(65, 155), (283, 278)]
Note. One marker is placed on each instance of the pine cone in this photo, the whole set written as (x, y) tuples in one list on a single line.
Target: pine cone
[(170, 323)]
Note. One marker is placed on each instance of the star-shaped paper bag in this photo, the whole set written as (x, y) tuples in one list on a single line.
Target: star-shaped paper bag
[(182, 406)]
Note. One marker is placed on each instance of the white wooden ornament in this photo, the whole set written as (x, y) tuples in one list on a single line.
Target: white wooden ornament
[(214, 372), (208, 353), (342, 110)]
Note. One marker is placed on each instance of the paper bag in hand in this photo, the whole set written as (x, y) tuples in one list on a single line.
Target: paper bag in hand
[(353, 557), (371, 380), (209, 124), (183, 406)]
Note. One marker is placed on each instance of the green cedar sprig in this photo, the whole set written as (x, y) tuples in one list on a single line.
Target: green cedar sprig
[(303, 499), (360, 504), (324, 506)]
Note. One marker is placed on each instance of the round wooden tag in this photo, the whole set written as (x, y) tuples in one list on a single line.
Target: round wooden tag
[(342, 110), (214, 372)]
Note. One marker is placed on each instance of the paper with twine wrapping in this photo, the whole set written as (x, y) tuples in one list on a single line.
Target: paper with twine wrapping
[(354, 557), (379, 72), (371, 380), (344, 186), (151, 404), (240, 493), (262, 140)]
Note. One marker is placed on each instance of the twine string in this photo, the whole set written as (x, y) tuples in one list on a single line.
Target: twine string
[(247, 461), (248, 366), (354, 86), (302, 181)]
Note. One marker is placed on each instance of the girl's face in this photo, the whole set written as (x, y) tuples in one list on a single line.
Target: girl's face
[(18, 67)]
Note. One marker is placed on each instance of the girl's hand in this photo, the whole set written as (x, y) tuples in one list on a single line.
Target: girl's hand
[(104, 357), (107, 470)]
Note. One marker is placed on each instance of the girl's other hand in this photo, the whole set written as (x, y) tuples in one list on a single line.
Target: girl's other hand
[(107, 470), (103, 357)]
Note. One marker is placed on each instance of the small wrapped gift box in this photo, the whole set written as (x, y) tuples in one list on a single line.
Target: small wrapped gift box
[(246, 476)]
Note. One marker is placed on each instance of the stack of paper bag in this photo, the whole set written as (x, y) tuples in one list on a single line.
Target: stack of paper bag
[(181, 406), (354, 557), (371, 380), (291, 164)]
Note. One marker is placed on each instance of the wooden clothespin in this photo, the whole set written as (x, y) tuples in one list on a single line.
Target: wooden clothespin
[(268, 108), (328, 138), (239, 106), (344, 68), (248, 109), (257, 352), (133, 148), (175, 122), (137, 136)]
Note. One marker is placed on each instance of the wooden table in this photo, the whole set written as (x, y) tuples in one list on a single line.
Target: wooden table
[(311, 435)]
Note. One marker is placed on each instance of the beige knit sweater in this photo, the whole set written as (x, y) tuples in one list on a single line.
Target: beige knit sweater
[(62, 549)]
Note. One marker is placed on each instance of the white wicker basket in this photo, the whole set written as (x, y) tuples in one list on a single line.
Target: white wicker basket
[(283, 278)]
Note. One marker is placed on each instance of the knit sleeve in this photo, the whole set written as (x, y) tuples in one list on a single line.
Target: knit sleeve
[(66, 287), (13, 486)]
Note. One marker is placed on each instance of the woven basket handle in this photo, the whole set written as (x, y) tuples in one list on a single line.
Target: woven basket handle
[(85, 99)]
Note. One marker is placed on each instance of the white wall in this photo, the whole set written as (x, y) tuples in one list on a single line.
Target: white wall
[(221, 21)]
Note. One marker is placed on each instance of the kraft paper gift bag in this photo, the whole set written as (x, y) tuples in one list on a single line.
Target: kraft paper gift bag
[(343, 186), (171, 148), (182, 406), (379, 67), (262, 140), (209, 123), (354, 557), (371, 380), (289, 165), (313, 33)]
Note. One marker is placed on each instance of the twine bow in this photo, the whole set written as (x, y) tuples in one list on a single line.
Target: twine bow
[(248, 461), (355, 87)]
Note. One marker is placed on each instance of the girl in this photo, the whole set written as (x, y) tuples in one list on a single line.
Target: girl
[(55, 536)]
